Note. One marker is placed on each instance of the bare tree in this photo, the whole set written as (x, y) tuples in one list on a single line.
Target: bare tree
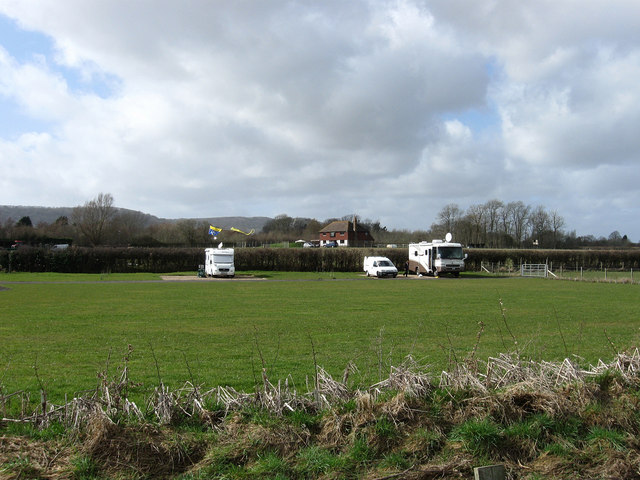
[(280, 224), (492, 215), (60, 228), (126, 226), (165, 233), (476, 216), (557, 223), (540, 224), (506, 221), (519, 214), (449, 216), (188, 229), (92, 218)]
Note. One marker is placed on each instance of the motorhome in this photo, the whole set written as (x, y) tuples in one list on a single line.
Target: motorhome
[(219, 262), (436, 257), (379, 267)]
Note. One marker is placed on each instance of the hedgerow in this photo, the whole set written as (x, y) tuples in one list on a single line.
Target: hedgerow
[(163, 260)]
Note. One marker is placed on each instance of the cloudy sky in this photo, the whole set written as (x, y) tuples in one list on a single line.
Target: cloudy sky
[(389, 109)]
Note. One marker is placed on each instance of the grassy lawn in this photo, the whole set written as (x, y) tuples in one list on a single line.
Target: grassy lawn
[(600, 275), (221, 333), (76, 277)]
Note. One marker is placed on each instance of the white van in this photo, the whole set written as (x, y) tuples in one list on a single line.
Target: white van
[(379, 267)]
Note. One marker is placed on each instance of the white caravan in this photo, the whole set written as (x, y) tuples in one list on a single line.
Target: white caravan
[(379, 267), (436, 257), (219, 262)]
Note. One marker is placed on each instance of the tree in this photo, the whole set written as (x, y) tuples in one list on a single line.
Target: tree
[(519, 213), (188, 228), (476, 216), (280, 224), (449, 216), (93, 217), (540, 224), (557, 222), (60, 228), (615, 238), (312, 229), (24, 222), (126, 226), (492, 216)]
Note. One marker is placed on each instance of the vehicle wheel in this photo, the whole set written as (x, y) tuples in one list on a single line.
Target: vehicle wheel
[(417, 271), (395, 275), (367, 273)]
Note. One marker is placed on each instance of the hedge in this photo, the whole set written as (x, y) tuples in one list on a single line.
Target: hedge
[(163, 260)]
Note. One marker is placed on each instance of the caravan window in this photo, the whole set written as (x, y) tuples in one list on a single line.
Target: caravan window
[(450, 253)]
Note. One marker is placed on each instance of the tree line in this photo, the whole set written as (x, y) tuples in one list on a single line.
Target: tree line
[(493, 224), (99, 223)]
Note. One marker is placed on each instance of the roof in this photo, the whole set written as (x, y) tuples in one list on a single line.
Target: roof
[(342, 226)]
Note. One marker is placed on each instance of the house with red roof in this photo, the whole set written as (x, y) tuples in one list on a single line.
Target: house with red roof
[(345, 234)]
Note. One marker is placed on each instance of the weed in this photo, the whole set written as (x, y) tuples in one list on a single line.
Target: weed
[(361, 453), (480, 437), (538, 427), (385, 429), (426, 442), (397, 460), (606, 379), (568, 429), (604, 438), (268, 463), (313, 461), (84, 468), (260, 416), (560, 449), (219, 462), (350, 406), (301, 418), (53, 431), (20, 468), (534, 476)]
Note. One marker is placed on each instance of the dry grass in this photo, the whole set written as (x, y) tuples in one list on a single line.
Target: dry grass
[(406, 415)]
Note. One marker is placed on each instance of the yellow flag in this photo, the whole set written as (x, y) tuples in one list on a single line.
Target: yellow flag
[(240, 231)]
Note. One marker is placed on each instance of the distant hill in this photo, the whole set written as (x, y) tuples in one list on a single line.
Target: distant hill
[(51, 214), (36, 214)]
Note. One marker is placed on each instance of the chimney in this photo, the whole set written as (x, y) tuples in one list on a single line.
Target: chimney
[(354, 222)]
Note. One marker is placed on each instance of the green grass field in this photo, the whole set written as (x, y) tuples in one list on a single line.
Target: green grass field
[(64, 331)]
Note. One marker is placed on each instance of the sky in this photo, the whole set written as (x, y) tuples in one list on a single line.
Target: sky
[(387, 109)]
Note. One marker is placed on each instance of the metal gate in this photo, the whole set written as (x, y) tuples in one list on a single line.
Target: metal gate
[(534, 270)]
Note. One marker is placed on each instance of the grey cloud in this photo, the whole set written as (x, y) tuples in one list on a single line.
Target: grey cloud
[(314, 105)]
